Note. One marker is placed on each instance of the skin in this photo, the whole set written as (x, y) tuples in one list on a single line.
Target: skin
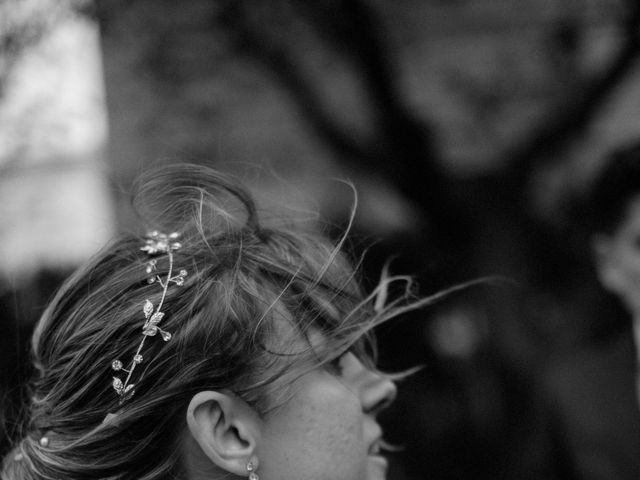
[(618, 259), (321, 427), (327, 430)]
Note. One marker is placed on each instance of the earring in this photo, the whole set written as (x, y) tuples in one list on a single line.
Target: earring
[(251, 468)]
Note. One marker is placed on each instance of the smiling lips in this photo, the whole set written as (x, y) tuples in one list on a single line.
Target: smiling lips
[(375, 456), (374, 449), (377, 444)]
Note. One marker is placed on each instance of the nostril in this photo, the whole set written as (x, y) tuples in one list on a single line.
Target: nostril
[(379, 407), (380, 397)]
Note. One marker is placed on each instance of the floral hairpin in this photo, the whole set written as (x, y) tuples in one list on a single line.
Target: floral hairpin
[(156, 244)]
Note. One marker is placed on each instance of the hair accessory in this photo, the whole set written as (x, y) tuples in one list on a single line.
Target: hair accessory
[(156, 244)]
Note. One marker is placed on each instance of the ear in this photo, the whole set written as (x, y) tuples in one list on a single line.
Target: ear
[(226, 428), (605, 261)]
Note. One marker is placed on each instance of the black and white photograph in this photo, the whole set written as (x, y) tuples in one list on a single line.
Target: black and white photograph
[(320, 240)]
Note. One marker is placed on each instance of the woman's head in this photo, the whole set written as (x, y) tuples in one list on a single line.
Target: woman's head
[(270, 358)]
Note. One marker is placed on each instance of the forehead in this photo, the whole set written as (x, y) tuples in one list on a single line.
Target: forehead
[(296, 343), (292, 354)]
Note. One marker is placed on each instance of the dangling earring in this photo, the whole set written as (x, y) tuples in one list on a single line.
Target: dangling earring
[(251, 468)]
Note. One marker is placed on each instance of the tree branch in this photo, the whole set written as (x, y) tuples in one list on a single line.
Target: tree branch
[(401, 149), (275, 53), (568, 119)]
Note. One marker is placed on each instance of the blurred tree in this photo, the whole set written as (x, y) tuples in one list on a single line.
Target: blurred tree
[(482, 223)]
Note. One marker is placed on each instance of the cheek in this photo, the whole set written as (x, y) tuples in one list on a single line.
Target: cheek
[(339, 428), (315, 437)]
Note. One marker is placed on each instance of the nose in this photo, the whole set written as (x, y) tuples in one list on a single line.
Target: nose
[(378, 393)]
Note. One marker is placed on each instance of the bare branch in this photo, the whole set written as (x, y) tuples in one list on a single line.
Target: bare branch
[(275, 53), (568, 119), (401, 148)]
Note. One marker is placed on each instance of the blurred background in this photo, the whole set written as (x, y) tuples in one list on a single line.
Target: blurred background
[(470, 128)]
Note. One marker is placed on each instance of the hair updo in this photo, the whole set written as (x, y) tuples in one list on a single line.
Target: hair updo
[(251, 289)]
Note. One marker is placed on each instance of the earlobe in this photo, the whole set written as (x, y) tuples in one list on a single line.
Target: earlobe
[(226, 428)]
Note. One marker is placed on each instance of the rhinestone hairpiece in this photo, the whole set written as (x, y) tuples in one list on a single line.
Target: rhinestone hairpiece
[(156, 244)]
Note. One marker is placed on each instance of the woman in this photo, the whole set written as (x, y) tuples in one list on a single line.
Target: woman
[(216, 345)]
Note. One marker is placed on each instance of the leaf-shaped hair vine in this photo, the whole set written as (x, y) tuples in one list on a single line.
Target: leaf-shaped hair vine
[(156, 244)]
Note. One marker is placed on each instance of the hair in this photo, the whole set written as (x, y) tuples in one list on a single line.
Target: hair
[(615, 186), (250, 290)]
